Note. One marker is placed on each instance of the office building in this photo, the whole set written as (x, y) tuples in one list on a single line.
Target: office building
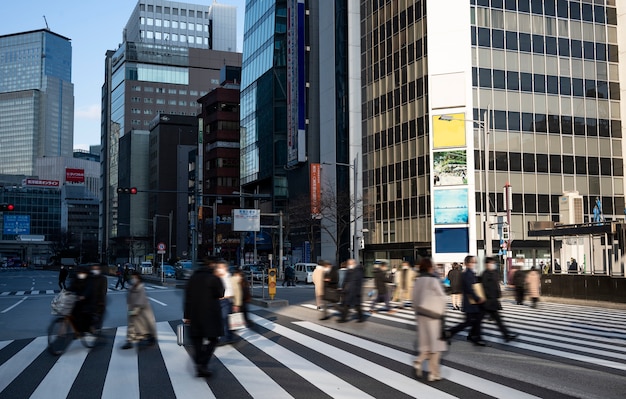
[(144, 79), (464, 98), (36, 99)]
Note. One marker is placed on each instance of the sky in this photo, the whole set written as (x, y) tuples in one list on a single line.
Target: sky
[(93, 27)]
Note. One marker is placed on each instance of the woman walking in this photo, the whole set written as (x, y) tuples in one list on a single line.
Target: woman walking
[(141, 321), (429, 299), (455, 276), (533, 282)]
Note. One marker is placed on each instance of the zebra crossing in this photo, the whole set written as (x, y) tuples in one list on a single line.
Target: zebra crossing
[(285, 357), (56, 291)]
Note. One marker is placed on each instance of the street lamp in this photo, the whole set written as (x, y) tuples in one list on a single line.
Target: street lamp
[(484, 124), (355, 169)]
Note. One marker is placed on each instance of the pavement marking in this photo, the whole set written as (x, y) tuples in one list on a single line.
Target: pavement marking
[(64, 370), (316, 375), (157, 286), (253, 379), (376, 315), (180, 366), (49, 291), (20, 293), (14, 305), (5, 293), (18, 362), (122, 379), (159, 302), (407, 385), (476, 383)]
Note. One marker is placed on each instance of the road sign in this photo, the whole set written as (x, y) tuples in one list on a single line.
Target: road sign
[(161, 246)]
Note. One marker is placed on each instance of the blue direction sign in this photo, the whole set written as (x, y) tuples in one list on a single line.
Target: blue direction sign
[(16, 224)]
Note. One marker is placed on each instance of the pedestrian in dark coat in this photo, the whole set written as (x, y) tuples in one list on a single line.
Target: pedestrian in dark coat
[(81, 313), (204, 314), (519, 281), (352, 291), (97, 295), (491, 284), (456, 285), (382, 277), (472, 306), (62, 277)]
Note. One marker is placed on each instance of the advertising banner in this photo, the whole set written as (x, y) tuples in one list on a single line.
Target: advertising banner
[(315, 189), (74, 175)]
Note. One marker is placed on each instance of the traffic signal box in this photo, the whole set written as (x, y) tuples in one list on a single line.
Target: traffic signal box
[(271, 282), (7, 207), (127, 190)]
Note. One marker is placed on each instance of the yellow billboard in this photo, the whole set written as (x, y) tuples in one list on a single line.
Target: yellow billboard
[(449, 131)]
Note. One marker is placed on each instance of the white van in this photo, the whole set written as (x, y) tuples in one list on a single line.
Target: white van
[(304, 272)]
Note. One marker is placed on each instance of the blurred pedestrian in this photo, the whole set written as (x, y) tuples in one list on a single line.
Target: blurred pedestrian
[(455, 277), (533, 281), (230, 301), (203, 313), (428, 294), (318, 281), (519, 281), (290, 274), (471, 306), (246, 295), (97, 285), (81, 312), (405, 278), (121, 278), (352, 290), (62, 277), (491, 283), (382, 278), (331, 289), (141, 321)]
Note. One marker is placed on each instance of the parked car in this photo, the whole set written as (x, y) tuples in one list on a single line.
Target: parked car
[(304, 272), (184, 270), (255, 272), (168, 271)]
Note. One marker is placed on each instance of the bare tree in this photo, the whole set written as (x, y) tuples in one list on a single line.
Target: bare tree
[(301, 221)]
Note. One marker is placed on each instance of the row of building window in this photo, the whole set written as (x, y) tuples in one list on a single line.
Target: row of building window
[(397, 22), (564, 124), (554, 163), (539, 44), (539, 83), (166, 23), (173, 37), (557, 8), (174, 11), (161, 101), (395, 134), (162, 90)]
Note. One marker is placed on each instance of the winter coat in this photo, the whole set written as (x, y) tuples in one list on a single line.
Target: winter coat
[(96, 293), (469, 279), (202, 304), (331, 280), (381, 279), (428, 328), (353, 286), (456, 281), (533, 282), (318, 280), (491, 284), (141, 320), (519, 279), (63, 275)]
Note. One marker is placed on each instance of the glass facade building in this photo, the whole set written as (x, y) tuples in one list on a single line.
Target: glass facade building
[(541, 75), (36, 99)]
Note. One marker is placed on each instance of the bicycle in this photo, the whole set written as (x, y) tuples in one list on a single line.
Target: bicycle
[(62, 331)]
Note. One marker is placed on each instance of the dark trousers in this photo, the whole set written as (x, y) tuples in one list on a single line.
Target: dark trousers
[(120, 280), (495, 316), (472, 320), (345, 308), (62, 285), (227, 308), (519, 295), (203, 353)]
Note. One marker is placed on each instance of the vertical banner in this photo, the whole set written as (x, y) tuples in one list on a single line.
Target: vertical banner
[(296, 84), (315, 189)]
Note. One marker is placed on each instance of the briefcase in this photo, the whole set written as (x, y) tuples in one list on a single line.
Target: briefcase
[(182, 335)]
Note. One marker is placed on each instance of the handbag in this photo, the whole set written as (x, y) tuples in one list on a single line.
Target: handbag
[(480, 293), (236, 321), (431, 305), (182, 335)]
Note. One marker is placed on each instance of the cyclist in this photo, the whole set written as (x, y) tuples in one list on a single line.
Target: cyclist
[(81, 311), (96, 293)]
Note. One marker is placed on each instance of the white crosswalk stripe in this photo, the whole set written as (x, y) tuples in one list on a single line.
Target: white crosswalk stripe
[(591, 337)]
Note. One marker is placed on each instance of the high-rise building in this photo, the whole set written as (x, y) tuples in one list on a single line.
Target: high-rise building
[(36, 99), (174, 23), (146, 78), (463, 98)]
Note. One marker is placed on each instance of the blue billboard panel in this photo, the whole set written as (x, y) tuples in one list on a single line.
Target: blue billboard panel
[(451, 206), (452, 240), (16, 224)]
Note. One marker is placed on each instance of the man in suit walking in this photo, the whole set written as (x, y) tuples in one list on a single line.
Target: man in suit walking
[(472, 306)]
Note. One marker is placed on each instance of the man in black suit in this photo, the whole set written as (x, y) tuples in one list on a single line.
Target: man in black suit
[(352, 289), (472, 306)]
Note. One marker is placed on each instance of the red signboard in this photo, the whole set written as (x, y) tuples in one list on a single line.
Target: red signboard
[(315, 183), (74, 175)]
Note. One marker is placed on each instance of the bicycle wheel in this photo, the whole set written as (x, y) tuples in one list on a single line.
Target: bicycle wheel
[(90, 338), (59, 335)]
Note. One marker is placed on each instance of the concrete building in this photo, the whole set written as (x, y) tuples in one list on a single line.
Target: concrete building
[(463, 98), (36, 99)]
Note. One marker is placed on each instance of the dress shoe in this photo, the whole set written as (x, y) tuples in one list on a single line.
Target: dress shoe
[(127, 345), (418, 369), (325, 318), (342, 321), (510, 337), (478, 342), (203, 372), (432, 377)]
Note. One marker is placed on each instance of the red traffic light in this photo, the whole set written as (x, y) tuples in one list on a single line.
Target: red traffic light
[(7, 207), (127, 190), (133, 190)]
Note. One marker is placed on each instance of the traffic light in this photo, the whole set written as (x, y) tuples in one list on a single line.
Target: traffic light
[(127, 190), (7, 207)]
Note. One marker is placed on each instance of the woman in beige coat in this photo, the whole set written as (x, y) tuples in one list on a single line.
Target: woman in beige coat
[(429, 329), (533, 285), (405, 277), (141, 321)]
